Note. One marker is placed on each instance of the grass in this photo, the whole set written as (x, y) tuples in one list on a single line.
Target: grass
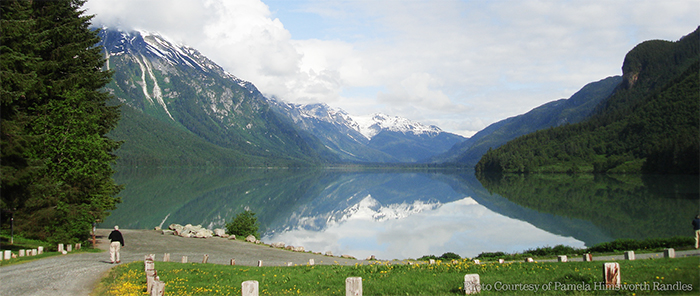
[(383, 278), (21, 243)]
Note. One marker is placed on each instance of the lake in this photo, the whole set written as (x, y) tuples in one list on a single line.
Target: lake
[(399, 214)]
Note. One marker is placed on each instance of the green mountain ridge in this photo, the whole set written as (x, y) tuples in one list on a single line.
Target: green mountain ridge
[(182, 109), (564, 111), (650, 124)]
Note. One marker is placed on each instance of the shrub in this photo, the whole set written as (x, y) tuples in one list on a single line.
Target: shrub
[(450, 256), (243, 225)]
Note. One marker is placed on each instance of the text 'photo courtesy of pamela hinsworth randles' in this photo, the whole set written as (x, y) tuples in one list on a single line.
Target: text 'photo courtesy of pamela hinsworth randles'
[(583, 286)]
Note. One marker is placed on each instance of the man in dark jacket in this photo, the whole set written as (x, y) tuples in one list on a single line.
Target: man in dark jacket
[(116, 242), (696, 227)]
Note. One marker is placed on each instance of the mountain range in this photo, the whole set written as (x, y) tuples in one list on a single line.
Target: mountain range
[(180, 108)]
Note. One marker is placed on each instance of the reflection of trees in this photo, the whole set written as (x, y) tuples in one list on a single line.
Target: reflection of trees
[(625, 206)]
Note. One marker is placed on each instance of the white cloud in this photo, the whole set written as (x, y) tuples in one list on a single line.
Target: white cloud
[(460, 65)]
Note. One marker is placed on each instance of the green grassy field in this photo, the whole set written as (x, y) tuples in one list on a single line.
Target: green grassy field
[(641, 277)]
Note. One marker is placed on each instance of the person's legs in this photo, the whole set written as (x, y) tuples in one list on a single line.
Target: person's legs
[(113, 250), (118, 248)]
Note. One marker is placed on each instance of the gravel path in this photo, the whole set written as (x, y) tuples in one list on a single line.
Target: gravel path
[(77, 274)]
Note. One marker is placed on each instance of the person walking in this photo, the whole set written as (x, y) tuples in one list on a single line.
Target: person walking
[(696, 227), (116, 242)]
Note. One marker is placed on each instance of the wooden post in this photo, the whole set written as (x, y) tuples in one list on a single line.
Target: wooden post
[(7, 255), (290, 263), (472, 284), (587, 257), (150, 279), (529, 259), (611, 274), (629, 255), (69, 248), (40, 250), (158, 288), (60, 248), (184, 259), (670, 253), (249, 288), (166, 257), (501, 261), (563, 258), (35, 252), (353, 286), (431, 261), (259, 263), (311, 262), (233, 261), (476, 261), (205, 259), (21, 253), (148, 265)]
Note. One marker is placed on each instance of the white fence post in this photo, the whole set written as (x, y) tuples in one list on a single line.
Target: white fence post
[(629, 255), (670, 253), (472, 283), (249, 288), (611, 274), (353, 286)]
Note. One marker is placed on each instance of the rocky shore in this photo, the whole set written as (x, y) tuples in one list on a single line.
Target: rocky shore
[(197, 231)]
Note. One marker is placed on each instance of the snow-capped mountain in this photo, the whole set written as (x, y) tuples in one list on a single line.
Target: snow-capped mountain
[(374, 138), (370, 126), (185, 103), (180, 108)]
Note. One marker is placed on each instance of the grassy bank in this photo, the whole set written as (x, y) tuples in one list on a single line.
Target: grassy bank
[(381, 278)]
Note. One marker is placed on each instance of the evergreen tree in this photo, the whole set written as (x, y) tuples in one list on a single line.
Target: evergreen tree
[(56, 173)]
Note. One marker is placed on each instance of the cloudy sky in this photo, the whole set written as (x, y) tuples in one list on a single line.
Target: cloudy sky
[(458, 64)]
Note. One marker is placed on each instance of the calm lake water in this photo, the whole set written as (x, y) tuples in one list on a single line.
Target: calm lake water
[(408, 214)]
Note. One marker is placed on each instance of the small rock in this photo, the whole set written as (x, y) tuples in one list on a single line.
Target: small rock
[(251, 239), (347, 257), (329, 253), (232, 237), (298, 249), (165, 231), (157, 228), (289, 248), (279, 245)]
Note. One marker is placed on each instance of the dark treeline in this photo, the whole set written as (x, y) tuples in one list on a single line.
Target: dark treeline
[(56, 174)]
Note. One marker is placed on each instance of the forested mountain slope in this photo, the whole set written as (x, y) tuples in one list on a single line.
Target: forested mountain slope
[(650, 124), (560, 112)]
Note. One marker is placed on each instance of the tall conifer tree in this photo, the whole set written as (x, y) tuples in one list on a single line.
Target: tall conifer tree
[(56, 173)]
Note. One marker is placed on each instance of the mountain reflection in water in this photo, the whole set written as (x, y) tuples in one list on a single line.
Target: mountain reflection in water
[(389, 214)]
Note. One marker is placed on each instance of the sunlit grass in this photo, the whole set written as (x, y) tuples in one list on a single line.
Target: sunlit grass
[(389, 278)]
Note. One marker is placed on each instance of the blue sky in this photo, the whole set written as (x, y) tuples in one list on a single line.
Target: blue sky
[(461, 65)]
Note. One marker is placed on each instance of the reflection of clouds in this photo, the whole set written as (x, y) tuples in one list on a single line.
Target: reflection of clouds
[(463, 227)]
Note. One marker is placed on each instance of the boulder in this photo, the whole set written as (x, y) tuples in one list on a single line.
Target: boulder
[(232, 237), (348, 257), (329, 253), (220, 232), (298, 249), (289, 248), (251, 238), (279, 245), (165, 231)]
